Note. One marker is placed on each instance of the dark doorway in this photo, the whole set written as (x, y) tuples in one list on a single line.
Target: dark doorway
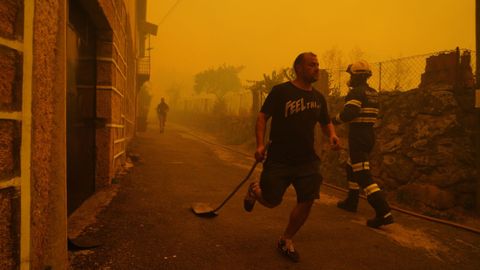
[(81, 99)]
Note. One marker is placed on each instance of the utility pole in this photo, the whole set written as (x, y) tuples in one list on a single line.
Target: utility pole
[(477, 99)]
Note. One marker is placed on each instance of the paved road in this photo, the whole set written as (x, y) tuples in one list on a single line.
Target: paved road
[(149, 225)]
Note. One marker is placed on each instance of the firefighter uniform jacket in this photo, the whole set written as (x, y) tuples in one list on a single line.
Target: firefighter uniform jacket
[(361, 108), (360, 111)]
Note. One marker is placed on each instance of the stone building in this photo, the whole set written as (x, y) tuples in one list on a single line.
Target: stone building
[(69, 75)]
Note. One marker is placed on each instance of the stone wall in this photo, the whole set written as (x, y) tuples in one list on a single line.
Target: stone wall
[(48, 162), (11, 63), (32, 167), (32, 122), (9, 230), (450, 68), (425, 148), (115, 91)]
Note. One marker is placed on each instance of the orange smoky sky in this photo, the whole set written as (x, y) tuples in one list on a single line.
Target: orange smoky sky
[(264, 35)]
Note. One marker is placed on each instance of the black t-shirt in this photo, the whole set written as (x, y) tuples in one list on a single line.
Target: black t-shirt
[(294, 113)]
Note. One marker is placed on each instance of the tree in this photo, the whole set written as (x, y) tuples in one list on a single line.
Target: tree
[(332, 58), (218, 80), (332, 61), (258, 88), (356, 54), (400, 75), (173, 92)]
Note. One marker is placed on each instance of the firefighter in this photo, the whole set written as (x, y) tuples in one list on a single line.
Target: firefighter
[(360, 112)]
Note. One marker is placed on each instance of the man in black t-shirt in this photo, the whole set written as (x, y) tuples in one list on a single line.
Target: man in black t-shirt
[(295, 107)]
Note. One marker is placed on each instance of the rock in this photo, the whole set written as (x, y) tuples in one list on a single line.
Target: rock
[(427, 126), (466, 186), (388, 183), (438, 102), (466, 201), (409, 194), (446, 176), (429, 195), (420, 144), (398, 167), (438, 87), (392, 127), (437, 198), (391, 146), (426, 160)]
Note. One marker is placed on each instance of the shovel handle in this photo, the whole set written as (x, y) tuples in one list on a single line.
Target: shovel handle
[(243, 181), (238, 187)]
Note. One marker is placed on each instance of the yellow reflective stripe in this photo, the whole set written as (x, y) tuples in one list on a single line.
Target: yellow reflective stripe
[(361, 166), (387, 215), (369, 110), (339, 120), (357, 167), (353, 185), (371, 189), (364, 120), (354, 102)]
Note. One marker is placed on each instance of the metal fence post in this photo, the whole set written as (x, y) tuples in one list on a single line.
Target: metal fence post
[(380, 76), (339, 81)]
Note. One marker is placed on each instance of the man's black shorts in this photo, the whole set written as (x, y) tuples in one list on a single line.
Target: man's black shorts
[(277, 177)]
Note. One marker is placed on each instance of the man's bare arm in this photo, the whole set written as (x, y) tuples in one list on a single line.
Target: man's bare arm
[(260, 128), (329, 131)]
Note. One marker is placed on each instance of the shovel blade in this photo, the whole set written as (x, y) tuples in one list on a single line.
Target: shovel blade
[(203, 210)]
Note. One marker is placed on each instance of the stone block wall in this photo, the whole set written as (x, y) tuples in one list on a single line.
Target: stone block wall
[(48, 144), (11, 21), (9, 230), (449, 68), (32, 123), (11, 64), (115, 91), (9, 149), (10, 79), (32, 150)]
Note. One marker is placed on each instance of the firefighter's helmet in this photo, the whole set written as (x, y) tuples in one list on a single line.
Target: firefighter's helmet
[(359, 67)]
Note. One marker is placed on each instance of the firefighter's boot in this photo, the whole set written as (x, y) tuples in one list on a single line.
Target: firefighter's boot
[(351, 202), (383, 216)]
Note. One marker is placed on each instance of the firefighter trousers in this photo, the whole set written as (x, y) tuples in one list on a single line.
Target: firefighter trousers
[(361, 141)]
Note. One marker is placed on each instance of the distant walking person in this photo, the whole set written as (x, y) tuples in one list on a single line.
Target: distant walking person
[(295, 107), (162, 110), (360, 111)]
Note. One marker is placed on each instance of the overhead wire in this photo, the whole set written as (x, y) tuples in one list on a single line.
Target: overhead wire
[(169, 12)]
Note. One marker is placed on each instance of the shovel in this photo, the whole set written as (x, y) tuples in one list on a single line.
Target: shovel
[(205, 210)]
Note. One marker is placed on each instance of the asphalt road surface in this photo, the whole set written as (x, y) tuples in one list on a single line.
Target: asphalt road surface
[(149, 223)]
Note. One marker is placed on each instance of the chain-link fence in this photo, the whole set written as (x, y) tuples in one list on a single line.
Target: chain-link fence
[(398, 74)]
